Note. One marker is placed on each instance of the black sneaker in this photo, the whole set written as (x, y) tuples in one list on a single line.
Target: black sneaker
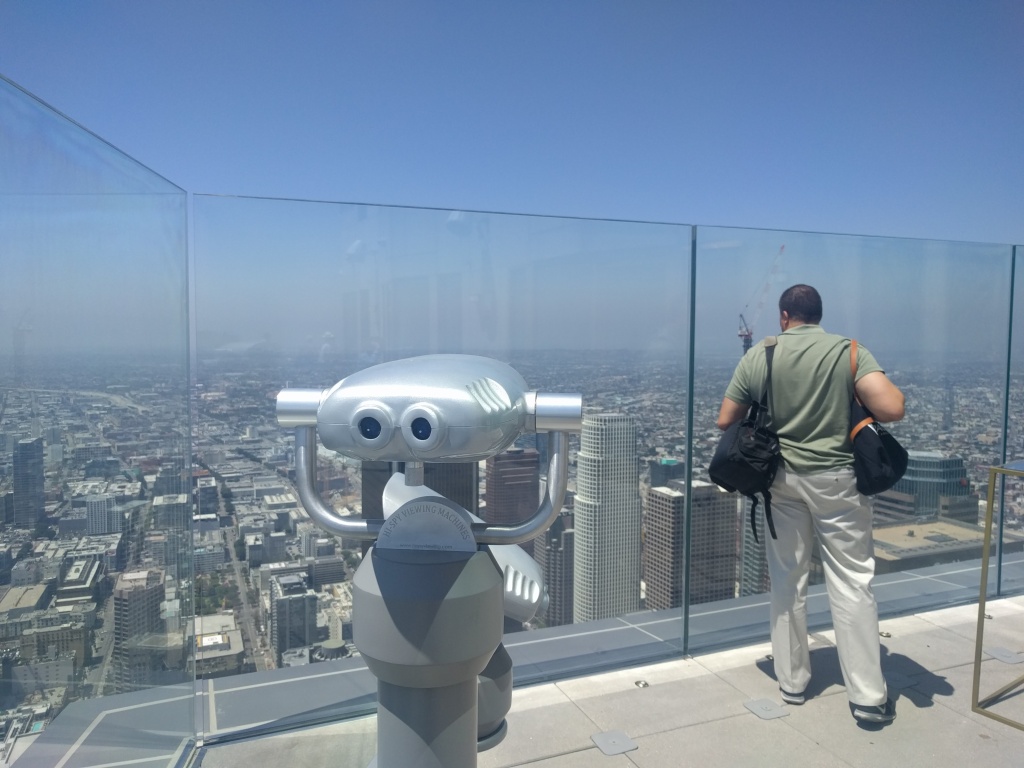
[(792, 698), (877, 715)]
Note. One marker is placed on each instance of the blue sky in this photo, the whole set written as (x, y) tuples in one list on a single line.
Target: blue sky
[(875, 117)]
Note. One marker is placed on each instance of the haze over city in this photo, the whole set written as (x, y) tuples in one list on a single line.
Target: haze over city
[(874, 120)]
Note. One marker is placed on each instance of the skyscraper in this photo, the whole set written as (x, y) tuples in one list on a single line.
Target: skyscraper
[(292, 613), (102, 515), (553, 551), (665, 468), (710, 571), (29, 506), (932, 483), (664, 547), (608, 516), (137, 597), (715, 526), (456, 481), (513, 488), (753, 565)]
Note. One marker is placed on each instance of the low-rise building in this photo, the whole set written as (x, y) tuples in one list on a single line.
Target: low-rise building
[(218, 647)]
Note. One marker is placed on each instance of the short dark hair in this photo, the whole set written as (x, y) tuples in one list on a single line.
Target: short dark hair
[(801, 302)]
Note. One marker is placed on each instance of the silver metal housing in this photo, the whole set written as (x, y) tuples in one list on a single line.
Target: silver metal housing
[(298, 407), (437, 408)]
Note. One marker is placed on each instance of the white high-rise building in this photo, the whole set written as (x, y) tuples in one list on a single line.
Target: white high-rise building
[(608, 516)]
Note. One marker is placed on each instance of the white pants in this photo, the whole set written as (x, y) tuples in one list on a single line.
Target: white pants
[(825, 505)]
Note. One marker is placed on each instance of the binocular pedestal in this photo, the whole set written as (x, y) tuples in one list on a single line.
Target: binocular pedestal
[(429, 596), (430, 620)]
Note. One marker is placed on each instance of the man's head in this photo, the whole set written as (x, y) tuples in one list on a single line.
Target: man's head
[(799, 305)]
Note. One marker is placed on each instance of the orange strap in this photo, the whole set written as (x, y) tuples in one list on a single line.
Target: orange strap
[(859, 426), (853, 372)]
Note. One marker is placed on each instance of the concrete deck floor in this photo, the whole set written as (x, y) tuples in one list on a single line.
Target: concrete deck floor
[(692, 711)]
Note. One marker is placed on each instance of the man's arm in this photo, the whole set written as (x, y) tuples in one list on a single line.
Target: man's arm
[(880, 396), (730, 413)]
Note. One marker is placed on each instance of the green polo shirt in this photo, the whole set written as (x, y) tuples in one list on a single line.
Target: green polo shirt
[(811, 393)]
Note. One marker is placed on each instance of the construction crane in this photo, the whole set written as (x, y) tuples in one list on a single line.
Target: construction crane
[(746, 331), (746, 334)]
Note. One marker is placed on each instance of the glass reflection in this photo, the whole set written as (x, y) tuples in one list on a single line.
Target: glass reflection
[(1010, 512), (305, 294), (895, 297), (95, 481)]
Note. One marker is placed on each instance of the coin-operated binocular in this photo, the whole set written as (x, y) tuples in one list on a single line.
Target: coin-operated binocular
[(429, 595)]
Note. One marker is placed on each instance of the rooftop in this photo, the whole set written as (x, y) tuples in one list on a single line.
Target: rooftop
[(723, 709)]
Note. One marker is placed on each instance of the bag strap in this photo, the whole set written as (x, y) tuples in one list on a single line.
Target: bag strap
[(853, 374), (767, 514), (770, 343), (769, 352), (853, 367)]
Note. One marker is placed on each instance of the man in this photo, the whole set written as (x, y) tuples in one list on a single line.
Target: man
[(815, 496)]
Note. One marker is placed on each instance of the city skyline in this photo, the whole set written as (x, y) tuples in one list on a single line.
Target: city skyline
[(239, 447)]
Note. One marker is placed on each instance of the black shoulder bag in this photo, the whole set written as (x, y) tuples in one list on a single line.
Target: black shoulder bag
[(747, 458), (879, 461)]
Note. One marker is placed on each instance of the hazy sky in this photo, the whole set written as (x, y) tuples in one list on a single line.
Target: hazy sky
[(875, 117), (899, 119)]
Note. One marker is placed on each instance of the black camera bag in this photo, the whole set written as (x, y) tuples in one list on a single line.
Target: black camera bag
[(879, 461), (748, 455)]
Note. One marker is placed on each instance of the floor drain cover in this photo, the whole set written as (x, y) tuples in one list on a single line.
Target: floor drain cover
[(614, 742), (766, 709), (1005, 656)]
